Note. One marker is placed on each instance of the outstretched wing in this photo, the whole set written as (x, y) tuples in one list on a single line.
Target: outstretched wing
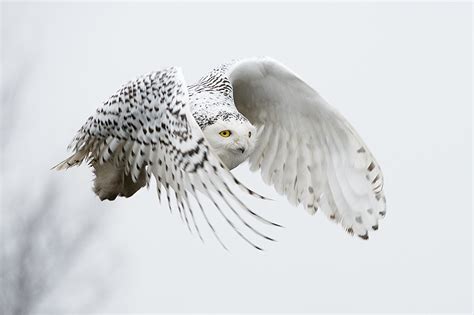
[(307, 150), (147, 128)]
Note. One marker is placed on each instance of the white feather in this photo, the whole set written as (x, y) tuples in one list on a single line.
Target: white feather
[(324, 153)]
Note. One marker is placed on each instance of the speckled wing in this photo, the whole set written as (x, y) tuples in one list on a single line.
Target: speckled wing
[(306, 149), (147, 128)]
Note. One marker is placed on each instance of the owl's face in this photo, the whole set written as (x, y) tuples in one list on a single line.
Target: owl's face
[(232, 140)]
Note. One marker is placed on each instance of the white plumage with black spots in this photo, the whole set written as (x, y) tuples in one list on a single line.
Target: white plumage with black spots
[(190, 137)]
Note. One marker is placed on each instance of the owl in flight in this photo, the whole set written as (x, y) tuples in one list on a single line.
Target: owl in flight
[(189, 137)]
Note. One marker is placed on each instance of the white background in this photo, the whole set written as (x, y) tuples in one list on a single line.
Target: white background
[(400, 73)]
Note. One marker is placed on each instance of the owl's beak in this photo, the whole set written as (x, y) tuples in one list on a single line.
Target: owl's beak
[(240, 146)]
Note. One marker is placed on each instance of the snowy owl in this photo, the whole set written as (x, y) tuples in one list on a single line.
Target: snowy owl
[(189, 137)]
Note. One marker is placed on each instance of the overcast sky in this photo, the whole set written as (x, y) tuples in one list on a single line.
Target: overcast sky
[(400, 73)]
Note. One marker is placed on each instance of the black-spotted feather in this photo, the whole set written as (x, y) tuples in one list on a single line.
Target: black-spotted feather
[(146, 129)]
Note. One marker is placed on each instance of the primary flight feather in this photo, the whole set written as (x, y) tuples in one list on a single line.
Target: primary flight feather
[(189, 137)]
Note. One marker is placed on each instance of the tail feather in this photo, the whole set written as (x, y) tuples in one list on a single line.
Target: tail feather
[(110, 181), (74, 160)]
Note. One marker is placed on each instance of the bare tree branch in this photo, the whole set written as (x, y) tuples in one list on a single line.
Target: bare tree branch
[(40, 241)]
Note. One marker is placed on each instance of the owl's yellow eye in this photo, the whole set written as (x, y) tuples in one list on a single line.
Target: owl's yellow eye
[(225, 133)]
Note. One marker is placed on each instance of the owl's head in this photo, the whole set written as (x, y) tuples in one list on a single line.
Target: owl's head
[(232, 139)]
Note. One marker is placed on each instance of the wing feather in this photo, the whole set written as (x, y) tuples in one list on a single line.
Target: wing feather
[(146, 129), (306, 149)]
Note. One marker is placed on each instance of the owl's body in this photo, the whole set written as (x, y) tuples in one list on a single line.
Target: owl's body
[(189, 137)]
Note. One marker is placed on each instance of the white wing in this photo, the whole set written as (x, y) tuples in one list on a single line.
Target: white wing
[(147, 128), (307, 150)]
